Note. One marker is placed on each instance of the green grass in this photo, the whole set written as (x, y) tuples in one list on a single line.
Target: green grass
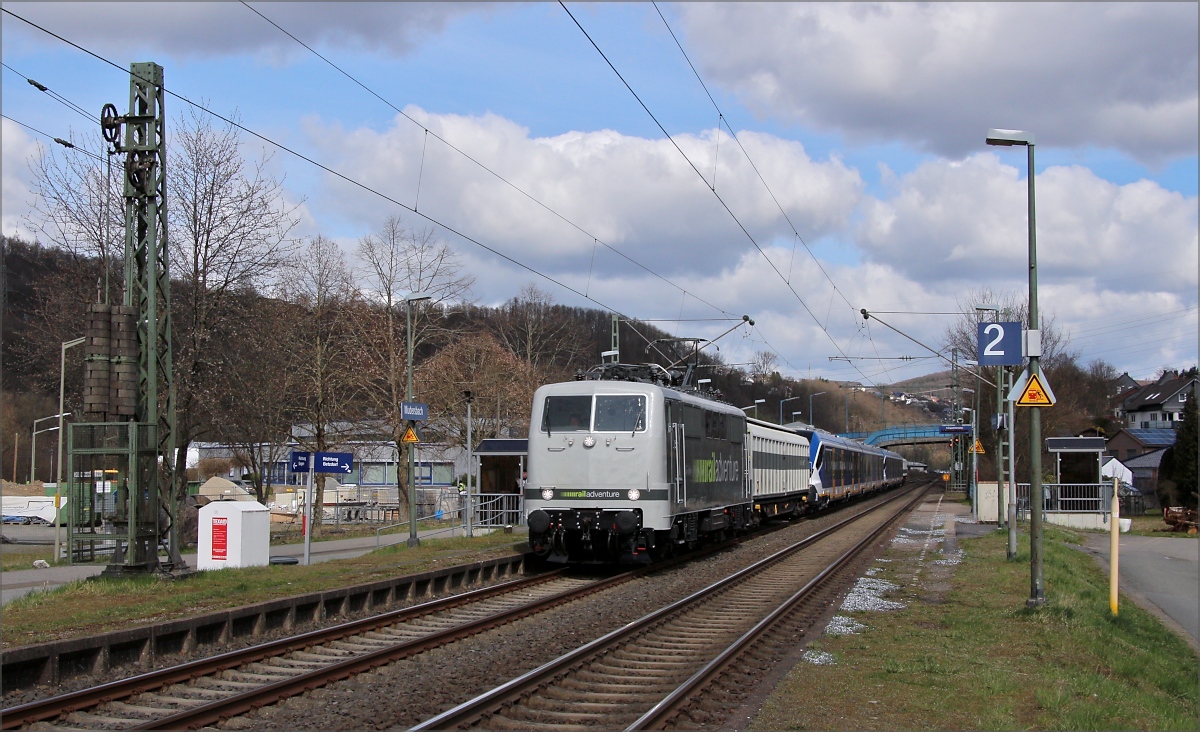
[(22, 556), (98, 605), (976, 658)]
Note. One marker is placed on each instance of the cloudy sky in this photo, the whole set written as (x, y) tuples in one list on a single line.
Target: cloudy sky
[(858, 178)]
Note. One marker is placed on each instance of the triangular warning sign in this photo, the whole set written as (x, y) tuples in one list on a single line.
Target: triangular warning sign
[(1036, 393), (410, 435), (978, 448)]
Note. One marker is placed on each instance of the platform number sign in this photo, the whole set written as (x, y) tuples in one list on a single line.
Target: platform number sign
[(1000, 344)]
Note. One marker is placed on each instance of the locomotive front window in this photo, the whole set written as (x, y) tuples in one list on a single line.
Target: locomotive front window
[(621, 413), (567, 414)]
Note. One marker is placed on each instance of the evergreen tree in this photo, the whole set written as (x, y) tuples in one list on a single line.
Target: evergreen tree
[(1178, 479)]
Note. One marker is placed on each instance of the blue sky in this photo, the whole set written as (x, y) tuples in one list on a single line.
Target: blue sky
[(867, 120)]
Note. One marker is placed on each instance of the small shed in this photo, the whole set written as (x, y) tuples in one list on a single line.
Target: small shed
[(1077, 459), (502, 464)]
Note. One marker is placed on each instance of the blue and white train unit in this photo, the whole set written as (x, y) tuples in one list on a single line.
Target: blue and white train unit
[(626, 467)]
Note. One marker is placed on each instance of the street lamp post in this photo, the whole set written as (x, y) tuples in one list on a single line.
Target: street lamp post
[(781, 407), (413, 540), (1037, 584), (812, 418), (754, 406), (62, 384), (33, 444)]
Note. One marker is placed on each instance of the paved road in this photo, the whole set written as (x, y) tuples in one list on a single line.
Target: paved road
[(14, 584), (1161, 574)]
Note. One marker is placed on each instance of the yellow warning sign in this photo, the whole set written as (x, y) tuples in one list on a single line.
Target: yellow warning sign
[(410, 435), (1035, 394), (977, 448)]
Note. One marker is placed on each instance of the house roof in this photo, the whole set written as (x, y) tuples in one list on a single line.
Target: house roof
[(1158, 393), (1149, 460), (1152, 438)]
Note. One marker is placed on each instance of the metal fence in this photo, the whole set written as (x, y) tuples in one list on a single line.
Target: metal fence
[(1068, 498), (499, 509)]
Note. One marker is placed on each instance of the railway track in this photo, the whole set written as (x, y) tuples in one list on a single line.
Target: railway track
[(208, 690), (642, 675)]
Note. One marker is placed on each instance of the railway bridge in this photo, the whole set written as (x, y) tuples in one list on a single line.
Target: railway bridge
[(910, 434)]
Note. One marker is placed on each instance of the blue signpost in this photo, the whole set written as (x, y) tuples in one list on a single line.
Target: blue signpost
[(301, 461), (414, 411), (1000, 344), (333, 462)]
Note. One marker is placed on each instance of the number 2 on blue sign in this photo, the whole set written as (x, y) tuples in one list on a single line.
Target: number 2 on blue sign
[(998, 329), (999, 344)]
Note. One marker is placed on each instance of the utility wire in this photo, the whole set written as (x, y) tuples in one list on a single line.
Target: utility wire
[(65, 143), (327, 169), (482, 166), (54, 95), (701, 176), (721, 116)]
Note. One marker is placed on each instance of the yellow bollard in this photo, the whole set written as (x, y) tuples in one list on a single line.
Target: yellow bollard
[(1113, 547)]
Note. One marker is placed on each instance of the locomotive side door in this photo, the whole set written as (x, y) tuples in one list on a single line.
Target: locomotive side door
[(676, 473)]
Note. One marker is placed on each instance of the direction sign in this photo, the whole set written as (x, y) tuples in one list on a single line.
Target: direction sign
[(999, 344), (333, 462), (300, 461), (415, 411)]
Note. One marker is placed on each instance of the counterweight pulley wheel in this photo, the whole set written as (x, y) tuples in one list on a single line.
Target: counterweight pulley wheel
[(110, 123)]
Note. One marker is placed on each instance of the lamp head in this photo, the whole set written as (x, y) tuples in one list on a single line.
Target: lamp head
[(1007, 138), (418, 296)]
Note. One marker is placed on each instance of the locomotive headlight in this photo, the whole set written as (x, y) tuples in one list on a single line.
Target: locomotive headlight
[(589, 441), (547, 494), (634, 494)]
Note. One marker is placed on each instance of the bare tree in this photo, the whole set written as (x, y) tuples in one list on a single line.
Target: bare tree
[(536, 331), (501, 384), (254, 413), (325, 357), (402, 261), (762, 365), (79, 207), (230, 230)]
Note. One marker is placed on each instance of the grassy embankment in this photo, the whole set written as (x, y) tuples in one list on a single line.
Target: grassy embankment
[(975, 658), (99, 605)]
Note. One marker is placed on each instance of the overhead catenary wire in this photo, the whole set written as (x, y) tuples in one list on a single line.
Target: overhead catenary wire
[(691, 164), (65, 143), (431, 133), (331, 171), (54, 95), (721, 117)]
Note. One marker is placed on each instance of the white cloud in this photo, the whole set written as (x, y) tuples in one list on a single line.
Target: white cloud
[(961, 221), (637, 195), (18, 149), (185, 29), (938, 75)]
